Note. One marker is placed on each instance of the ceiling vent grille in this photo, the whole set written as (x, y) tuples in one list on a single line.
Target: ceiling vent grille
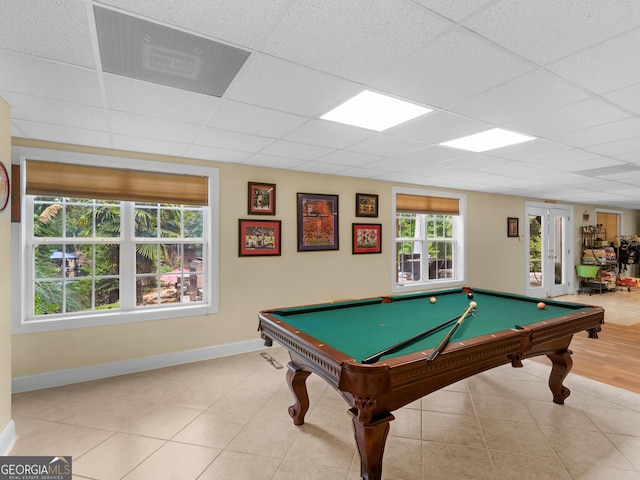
[(139, 49)]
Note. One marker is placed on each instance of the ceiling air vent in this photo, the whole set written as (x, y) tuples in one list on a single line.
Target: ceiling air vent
[(143, 50)]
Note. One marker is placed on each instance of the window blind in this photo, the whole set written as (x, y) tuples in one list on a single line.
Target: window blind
[(103, 183), (406, 203)]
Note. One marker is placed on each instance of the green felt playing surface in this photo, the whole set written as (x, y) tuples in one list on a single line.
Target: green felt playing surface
[(362, 328)]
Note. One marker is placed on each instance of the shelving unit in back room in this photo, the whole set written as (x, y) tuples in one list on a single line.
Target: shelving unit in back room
[(597, 252)]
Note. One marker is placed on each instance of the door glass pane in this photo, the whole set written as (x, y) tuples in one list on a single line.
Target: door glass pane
[(535, 251), (558, 273)]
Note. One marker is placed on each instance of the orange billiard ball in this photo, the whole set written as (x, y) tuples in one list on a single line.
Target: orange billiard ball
[(541, 305)]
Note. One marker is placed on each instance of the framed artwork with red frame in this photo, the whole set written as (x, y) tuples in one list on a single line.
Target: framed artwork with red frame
[(262, 198), (367, 238), (259, 238)]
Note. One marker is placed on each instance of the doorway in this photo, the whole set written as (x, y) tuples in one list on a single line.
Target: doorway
[(548, 245)]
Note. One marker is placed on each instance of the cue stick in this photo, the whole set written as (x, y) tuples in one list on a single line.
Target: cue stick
[(443, 343), (375, 357)]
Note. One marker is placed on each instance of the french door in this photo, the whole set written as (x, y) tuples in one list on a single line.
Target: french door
[(548, 246)]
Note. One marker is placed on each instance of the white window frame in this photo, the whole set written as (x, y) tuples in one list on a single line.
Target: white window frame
[(460, 244), (20, 260)]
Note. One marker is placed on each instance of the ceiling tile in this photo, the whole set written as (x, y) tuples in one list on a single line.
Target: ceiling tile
[(473, 161), (438, 127), (347, 158), (216, 154), (610, 132), (546, 30), (521, 97), (432, 154), (135, 96), (59, 133), (271, 161), (43, 78), (361, 172), (140, 144), (564, 157), (329, 134), (576, 116), (152, 128), (349, 40), (283, 148), (456, 11), (273, 83), (395, 165), (633, 157), (438, 74), (241, 117), (627, 98), (386, 145), (217, 138), (25, 107), (57, 29), (620, 147), (595, 162), (608, 66), (529, 150), (319, 167)]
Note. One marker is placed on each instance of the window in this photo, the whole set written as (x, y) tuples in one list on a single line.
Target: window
[(117, 243), (429, 239)]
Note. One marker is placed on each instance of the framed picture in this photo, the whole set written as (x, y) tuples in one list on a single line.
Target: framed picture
[(262, 198), (366, 205), (259, 238), (512, 227), (317, 222), (367, 238)]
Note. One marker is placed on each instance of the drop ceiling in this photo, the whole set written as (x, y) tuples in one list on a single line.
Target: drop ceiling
[(564, 71)]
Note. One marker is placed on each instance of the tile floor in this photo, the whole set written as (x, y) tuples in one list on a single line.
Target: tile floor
[(226, 419)]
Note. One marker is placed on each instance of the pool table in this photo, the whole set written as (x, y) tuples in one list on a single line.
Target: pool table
[(339, 342)]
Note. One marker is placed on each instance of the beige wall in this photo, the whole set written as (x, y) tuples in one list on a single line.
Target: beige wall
[(5, 280), (250, 284)]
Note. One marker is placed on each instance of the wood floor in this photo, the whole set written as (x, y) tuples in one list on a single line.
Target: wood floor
[(613, 358)]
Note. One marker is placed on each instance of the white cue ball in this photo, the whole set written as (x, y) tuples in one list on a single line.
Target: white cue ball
[(473, 304)]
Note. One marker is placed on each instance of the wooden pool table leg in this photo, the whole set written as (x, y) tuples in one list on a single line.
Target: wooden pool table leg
[(370, 439), (561, 367), (296, 379)]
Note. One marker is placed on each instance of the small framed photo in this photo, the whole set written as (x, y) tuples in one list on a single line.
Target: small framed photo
[(317, 222), (259, 238), (366, 205), (512, 227), (262, 198), (367, 238)]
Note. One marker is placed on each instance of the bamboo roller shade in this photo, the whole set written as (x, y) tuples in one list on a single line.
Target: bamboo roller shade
[(86, 181), (421, 204)]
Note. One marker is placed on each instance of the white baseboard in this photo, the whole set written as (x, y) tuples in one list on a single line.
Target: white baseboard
[(57, 378), (7, 438)]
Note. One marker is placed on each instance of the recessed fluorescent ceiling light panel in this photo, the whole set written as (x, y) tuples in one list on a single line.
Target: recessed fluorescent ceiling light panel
[(375, 111), (488, 140)]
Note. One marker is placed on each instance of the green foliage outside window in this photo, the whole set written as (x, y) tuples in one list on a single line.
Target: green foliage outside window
[(77, 252)]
